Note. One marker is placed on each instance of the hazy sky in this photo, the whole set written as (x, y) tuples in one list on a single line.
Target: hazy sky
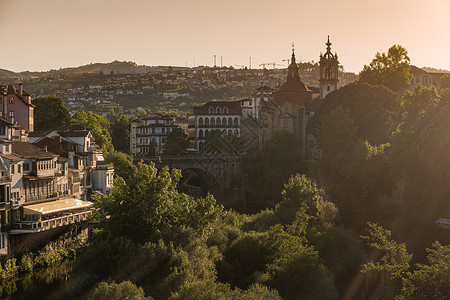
[(49, 34)]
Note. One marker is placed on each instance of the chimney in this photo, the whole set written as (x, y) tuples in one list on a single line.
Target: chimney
[(45, 148), (21, 89)]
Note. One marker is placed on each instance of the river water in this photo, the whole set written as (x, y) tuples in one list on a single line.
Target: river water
[(46, 284)]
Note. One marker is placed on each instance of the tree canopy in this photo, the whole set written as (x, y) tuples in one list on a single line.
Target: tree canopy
[(98, 125), (274, 163), (50, 113), (149, 203), (375, 110), (120, 134), (391, 69), (177, 142)]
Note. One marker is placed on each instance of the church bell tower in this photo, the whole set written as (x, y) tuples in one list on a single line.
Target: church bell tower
[(329, 70)]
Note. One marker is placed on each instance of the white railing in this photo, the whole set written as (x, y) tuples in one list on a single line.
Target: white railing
[(52, 223), (443, 223)]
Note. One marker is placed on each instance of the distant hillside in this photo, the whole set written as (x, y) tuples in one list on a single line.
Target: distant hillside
[(9, 74), (115, 67), (434, 70)]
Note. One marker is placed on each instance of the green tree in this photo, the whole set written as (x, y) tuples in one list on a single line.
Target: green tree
[(419, 146), (177, 142), (123, 164), (445, 81), (98, 125), (375, 110), (391, 266), (301, 198), (120, 134), (125, 291), (50, 113), (391, 69), (149, 205), (356, 175), (274, 163), (296, 270), (432, 280)]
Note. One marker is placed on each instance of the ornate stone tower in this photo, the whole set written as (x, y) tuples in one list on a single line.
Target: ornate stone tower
[(329, 67)]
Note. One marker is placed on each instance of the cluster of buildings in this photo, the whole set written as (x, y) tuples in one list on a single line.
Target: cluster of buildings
[(46, 178), (161, 85), (257, 118)]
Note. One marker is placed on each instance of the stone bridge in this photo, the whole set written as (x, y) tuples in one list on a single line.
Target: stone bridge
[(220, 174)]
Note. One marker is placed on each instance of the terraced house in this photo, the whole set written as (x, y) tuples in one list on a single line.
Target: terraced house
[(45, 186)]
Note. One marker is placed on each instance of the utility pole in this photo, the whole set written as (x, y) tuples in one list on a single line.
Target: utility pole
[(214, 60), (221, 61)]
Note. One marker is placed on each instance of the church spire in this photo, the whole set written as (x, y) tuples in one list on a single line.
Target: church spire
[(293, 68), (328, 53)]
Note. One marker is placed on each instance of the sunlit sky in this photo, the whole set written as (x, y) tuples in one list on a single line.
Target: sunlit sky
[(39, 35)]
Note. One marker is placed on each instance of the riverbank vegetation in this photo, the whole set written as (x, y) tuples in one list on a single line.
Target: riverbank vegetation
[(384, 165)]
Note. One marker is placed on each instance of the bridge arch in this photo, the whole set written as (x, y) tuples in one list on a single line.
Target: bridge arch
[(197, 183)]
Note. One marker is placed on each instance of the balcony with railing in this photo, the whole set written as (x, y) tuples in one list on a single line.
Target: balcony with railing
[(38, 226), (5, 179), (42, 197)]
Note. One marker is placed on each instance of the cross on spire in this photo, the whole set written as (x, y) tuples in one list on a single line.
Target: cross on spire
[(328, 45)]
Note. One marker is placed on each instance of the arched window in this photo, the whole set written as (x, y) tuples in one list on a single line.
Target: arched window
[(328, 73), (200, 134), (230, 122), (206, 133), (236, 132), (218, 110), (211, 110), (200, 122), (236, 121), (213, 122), (200, 146), (206, 122), (230, 132), (224, 122), (218, 122), (225, 110)]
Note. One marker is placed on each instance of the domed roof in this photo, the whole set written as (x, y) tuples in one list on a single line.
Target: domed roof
[(293, 90)]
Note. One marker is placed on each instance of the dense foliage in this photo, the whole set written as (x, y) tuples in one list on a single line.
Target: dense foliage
[(384, 159), (50, 113), (273, 164), (177, 142), (173, 246), (98, 125), (375, 110), (120, 134), (389, 69)]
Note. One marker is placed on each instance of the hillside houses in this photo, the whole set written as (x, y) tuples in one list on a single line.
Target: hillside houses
[(46, 179)]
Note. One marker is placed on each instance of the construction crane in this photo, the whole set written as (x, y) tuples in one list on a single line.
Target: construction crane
[(270, 64), (265, 64), (288, 61), (274, 64)]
